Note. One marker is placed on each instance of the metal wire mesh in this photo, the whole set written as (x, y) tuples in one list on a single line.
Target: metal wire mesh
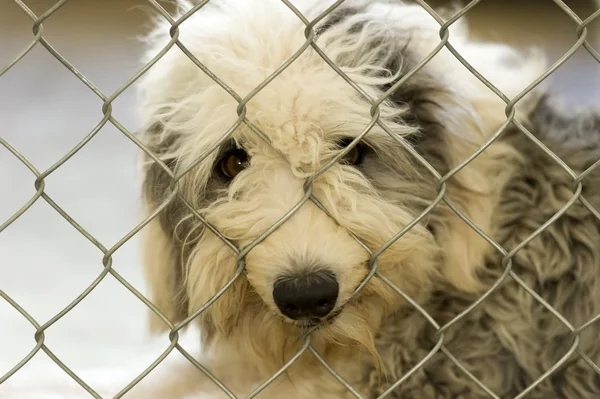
[(507, 256)]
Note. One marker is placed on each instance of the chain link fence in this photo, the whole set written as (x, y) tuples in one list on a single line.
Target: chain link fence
[(39, 177)]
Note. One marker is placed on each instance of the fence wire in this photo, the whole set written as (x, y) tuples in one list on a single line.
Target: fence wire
[(309, 32)]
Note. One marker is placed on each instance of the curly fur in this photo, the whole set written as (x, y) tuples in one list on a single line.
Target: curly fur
[(445, 114)]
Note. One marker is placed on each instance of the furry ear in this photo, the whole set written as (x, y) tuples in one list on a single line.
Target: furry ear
[(163, 257), (457, 114)]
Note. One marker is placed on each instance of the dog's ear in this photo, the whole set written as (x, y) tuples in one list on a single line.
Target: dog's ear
[(162, 255), (456, 114)]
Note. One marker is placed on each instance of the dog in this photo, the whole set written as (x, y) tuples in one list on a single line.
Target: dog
[(298, 244)]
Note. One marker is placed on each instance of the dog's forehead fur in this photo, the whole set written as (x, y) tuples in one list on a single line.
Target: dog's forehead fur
[(299, 111)]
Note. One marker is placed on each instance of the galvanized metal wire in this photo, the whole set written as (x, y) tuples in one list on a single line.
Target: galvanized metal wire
[(38, 179)]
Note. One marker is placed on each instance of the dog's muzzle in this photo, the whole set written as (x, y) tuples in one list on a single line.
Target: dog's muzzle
[(309, 297)]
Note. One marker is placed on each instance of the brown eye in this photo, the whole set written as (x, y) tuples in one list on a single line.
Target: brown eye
[(233, 163), (355, 155)]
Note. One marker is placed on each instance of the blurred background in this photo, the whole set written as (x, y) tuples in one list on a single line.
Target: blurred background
[(45, 111)]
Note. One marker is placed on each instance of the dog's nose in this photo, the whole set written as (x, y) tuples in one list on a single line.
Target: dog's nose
[(310, 296)]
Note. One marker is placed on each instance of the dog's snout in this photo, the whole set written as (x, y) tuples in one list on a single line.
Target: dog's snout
[(310, 296)]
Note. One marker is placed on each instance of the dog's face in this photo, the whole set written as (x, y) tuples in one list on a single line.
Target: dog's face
[(282, 278)]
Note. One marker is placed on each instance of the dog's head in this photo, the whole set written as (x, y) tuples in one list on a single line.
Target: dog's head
[(274, 280)]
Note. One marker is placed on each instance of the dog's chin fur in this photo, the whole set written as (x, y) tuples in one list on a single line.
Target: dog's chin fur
[(443, 113)]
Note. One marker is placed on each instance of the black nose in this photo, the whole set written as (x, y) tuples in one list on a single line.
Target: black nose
[(310, 296)]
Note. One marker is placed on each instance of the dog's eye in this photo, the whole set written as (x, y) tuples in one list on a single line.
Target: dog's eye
[(355, 155), (233, 163)]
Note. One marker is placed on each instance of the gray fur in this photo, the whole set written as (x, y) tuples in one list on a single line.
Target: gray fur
[(510, 339), (157, 187)]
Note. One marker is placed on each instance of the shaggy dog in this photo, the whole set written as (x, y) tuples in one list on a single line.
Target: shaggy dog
[(320, 234)]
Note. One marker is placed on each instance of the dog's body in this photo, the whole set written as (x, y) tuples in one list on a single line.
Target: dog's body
[(374, 338)]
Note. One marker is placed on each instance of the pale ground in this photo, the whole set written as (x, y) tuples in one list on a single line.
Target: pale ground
[(44, 111)]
